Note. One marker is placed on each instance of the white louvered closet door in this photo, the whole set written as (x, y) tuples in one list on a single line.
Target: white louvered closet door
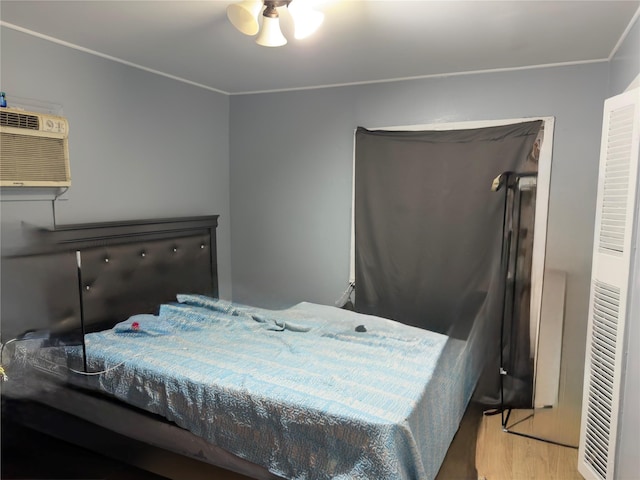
[(612, 254)]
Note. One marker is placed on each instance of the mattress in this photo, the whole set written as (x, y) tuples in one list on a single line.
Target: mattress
[(307, 392)]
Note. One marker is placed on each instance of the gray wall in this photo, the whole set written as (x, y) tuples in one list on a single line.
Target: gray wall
[(140, 145), (625, 65), (625, 68)]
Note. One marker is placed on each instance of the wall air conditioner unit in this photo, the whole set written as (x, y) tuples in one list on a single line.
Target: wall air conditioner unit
[(34, 149)]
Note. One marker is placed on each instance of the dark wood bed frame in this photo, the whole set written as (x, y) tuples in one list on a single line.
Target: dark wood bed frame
[(83, 278), (76, 279)]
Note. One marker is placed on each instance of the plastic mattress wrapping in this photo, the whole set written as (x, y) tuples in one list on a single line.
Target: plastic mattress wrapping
[(307, 392)]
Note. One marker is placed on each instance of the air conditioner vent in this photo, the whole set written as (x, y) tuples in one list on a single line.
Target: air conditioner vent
[(35, 149), (25, 160), (19, 120)]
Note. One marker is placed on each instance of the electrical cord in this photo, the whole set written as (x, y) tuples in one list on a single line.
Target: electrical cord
[(4, 345), (89, 374), (53, 204), (4, 377), (96, 373), (3, 374)]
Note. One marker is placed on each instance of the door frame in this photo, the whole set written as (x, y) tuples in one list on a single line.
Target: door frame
[(546, 387)]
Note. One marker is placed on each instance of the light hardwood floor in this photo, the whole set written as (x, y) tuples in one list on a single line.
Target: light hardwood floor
[(480, 450), (502, 456)]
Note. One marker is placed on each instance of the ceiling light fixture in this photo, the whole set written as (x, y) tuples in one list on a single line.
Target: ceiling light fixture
[(245, 17)]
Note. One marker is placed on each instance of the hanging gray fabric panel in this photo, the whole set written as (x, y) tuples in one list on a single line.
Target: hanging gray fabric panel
[(428, 228), (429, 240)]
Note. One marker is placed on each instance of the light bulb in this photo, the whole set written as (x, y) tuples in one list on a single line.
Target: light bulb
[(305, 20), (271, 35)]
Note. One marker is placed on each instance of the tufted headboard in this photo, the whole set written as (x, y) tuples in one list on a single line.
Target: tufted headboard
[(81, 278)]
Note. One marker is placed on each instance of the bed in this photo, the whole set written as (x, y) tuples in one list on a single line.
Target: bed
[(140, 344)]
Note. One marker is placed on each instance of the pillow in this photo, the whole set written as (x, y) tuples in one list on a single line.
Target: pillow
[(144, 324)]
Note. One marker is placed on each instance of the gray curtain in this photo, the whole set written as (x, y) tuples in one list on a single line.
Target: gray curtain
[(428, 228)]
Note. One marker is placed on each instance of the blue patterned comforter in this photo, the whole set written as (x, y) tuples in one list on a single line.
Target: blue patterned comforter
[(299, 391)]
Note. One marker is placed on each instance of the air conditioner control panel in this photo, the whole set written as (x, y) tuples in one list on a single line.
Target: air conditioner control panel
[(53, 125)]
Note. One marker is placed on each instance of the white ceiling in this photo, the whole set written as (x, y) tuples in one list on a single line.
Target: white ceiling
[(360, 41)]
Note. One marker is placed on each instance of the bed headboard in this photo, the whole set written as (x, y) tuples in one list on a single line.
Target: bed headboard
[(102, 273)]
